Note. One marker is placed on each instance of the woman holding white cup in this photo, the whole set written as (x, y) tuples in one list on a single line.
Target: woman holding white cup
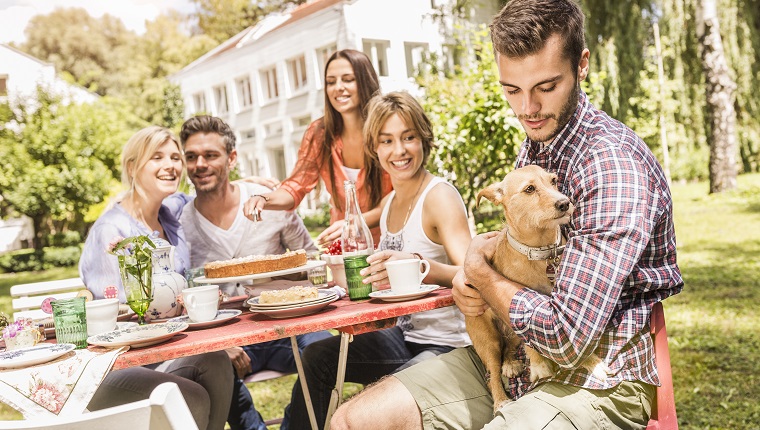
[(424, 218)]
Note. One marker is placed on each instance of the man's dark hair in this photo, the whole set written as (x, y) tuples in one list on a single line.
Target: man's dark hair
[(208, 124), (522, 28)]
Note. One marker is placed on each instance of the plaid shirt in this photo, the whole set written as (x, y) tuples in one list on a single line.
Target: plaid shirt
[(620, 256)]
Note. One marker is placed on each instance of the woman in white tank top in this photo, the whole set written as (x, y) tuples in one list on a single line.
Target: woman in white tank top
[(423, 218)]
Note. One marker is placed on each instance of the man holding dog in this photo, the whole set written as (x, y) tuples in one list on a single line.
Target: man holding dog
[(620, 259)]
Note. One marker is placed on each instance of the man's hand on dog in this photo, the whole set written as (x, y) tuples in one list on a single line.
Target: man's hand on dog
[(476, 266)]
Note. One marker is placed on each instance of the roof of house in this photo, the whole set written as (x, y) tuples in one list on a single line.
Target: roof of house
[(17, 51), (264, 27)]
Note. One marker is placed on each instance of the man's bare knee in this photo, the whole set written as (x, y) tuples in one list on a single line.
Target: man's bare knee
[(385, 404)]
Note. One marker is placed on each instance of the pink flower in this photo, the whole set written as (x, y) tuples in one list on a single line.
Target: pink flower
[(111, 245), (48, 396)]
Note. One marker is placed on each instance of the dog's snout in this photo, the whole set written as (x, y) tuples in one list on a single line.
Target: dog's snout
[(562, 205)]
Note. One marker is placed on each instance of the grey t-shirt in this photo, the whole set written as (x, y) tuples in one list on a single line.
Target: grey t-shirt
[(277, 232)]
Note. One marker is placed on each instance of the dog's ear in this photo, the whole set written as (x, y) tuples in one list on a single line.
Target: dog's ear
[(492, 192)]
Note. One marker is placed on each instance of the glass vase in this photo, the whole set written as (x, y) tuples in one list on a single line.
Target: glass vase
[(137, 279)]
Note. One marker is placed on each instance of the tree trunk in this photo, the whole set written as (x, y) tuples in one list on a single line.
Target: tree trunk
[(721, 127)]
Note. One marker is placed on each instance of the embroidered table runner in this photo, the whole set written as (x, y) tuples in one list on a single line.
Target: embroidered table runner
[(62, 387)]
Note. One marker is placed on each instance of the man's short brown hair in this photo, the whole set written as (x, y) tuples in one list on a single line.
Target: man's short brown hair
[(208, 124), (522, 28)]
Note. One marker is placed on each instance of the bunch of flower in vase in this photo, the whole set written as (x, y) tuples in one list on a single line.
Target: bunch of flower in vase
[(135, 266)]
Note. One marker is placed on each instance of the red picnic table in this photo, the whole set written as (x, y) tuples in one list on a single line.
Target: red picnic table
[(348, 317)]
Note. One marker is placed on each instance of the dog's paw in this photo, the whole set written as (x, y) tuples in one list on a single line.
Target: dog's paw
[(541, 370), (498, 405), (601, 370), (512, 368)]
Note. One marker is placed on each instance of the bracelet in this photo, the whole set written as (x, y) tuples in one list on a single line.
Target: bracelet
[(266, 199), (416, 254)]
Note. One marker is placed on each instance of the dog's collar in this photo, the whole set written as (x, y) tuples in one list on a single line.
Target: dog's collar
[(548, 252)]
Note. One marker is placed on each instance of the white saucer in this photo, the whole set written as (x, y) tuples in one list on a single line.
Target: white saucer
[(309, 308), (390, 296), (322, 296), (222, 316)]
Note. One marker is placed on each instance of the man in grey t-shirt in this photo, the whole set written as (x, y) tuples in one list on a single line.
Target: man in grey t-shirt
[(216, 229)]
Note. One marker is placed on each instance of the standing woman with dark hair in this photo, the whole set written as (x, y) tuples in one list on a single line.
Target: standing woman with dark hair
[(333, 149)]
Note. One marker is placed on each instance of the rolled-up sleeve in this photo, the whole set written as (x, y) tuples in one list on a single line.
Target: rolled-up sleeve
[(98, 268), (305, 175)]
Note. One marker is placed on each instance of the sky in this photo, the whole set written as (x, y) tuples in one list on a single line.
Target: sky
[(15, 14)]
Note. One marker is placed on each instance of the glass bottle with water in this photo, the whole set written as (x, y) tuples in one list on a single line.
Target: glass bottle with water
[(357, 244)]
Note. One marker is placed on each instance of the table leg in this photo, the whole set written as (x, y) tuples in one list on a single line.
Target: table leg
[(337, 393), (304, 385)]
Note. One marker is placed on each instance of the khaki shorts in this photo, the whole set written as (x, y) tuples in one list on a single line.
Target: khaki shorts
[(451, 393)]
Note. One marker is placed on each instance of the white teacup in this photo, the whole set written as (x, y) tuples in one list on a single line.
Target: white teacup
[(202, 303), (406, 276), (25, 338), (101, 315)]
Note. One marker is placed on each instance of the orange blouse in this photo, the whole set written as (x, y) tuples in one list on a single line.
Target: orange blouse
[(309, 169)]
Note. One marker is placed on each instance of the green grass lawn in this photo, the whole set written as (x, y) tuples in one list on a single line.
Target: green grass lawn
[(712, 325)]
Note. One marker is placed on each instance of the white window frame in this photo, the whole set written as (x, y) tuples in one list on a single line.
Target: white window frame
[(297, 74), (199, 102), (377, 51), (415, 53), (220, 99), (244, 92), (323, 54), (269, 88)]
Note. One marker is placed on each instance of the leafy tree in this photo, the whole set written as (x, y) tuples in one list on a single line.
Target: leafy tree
[(61, 160), (76, 43), (477, 134), (222, 19)]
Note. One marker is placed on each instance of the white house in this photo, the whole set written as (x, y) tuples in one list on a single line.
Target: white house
[(267, 83), (20, 74)]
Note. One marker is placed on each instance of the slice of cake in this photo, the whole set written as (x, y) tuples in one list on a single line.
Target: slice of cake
[(254, 264), (292, 294)]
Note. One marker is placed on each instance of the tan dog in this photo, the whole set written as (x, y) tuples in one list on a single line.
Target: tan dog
[(530, 242)]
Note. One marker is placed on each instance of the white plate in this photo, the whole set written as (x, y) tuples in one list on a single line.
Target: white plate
[(390, 296), (321, 296), (310, 264), (295, 312), (222, 316), (137, 337), (121, 325), (37, 354)]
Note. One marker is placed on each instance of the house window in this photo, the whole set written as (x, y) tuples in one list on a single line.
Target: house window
[(377, 51), (323, 54), (3, 85), (273, 129), (247, 135), (416, 53), (245, 98), (199, 102), (297, 71), (220, 97), (269, 84), (277, 162), (302, 121)]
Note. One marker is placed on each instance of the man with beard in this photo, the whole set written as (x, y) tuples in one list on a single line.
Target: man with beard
[(620, 259), (216, 229)]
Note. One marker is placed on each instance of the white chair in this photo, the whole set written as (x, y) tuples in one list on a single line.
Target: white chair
[(27, 298), (164, 410)]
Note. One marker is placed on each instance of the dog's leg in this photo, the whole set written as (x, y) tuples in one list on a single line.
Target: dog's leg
[(511, 367), (487, 342), (540, 367), (596, 367)]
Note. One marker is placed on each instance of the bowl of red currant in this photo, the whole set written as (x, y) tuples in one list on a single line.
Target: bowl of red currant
[(333, 256)]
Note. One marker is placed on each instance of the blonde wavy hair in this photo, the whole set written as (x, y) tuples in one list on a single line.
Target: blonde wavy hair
[(138, 151)]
